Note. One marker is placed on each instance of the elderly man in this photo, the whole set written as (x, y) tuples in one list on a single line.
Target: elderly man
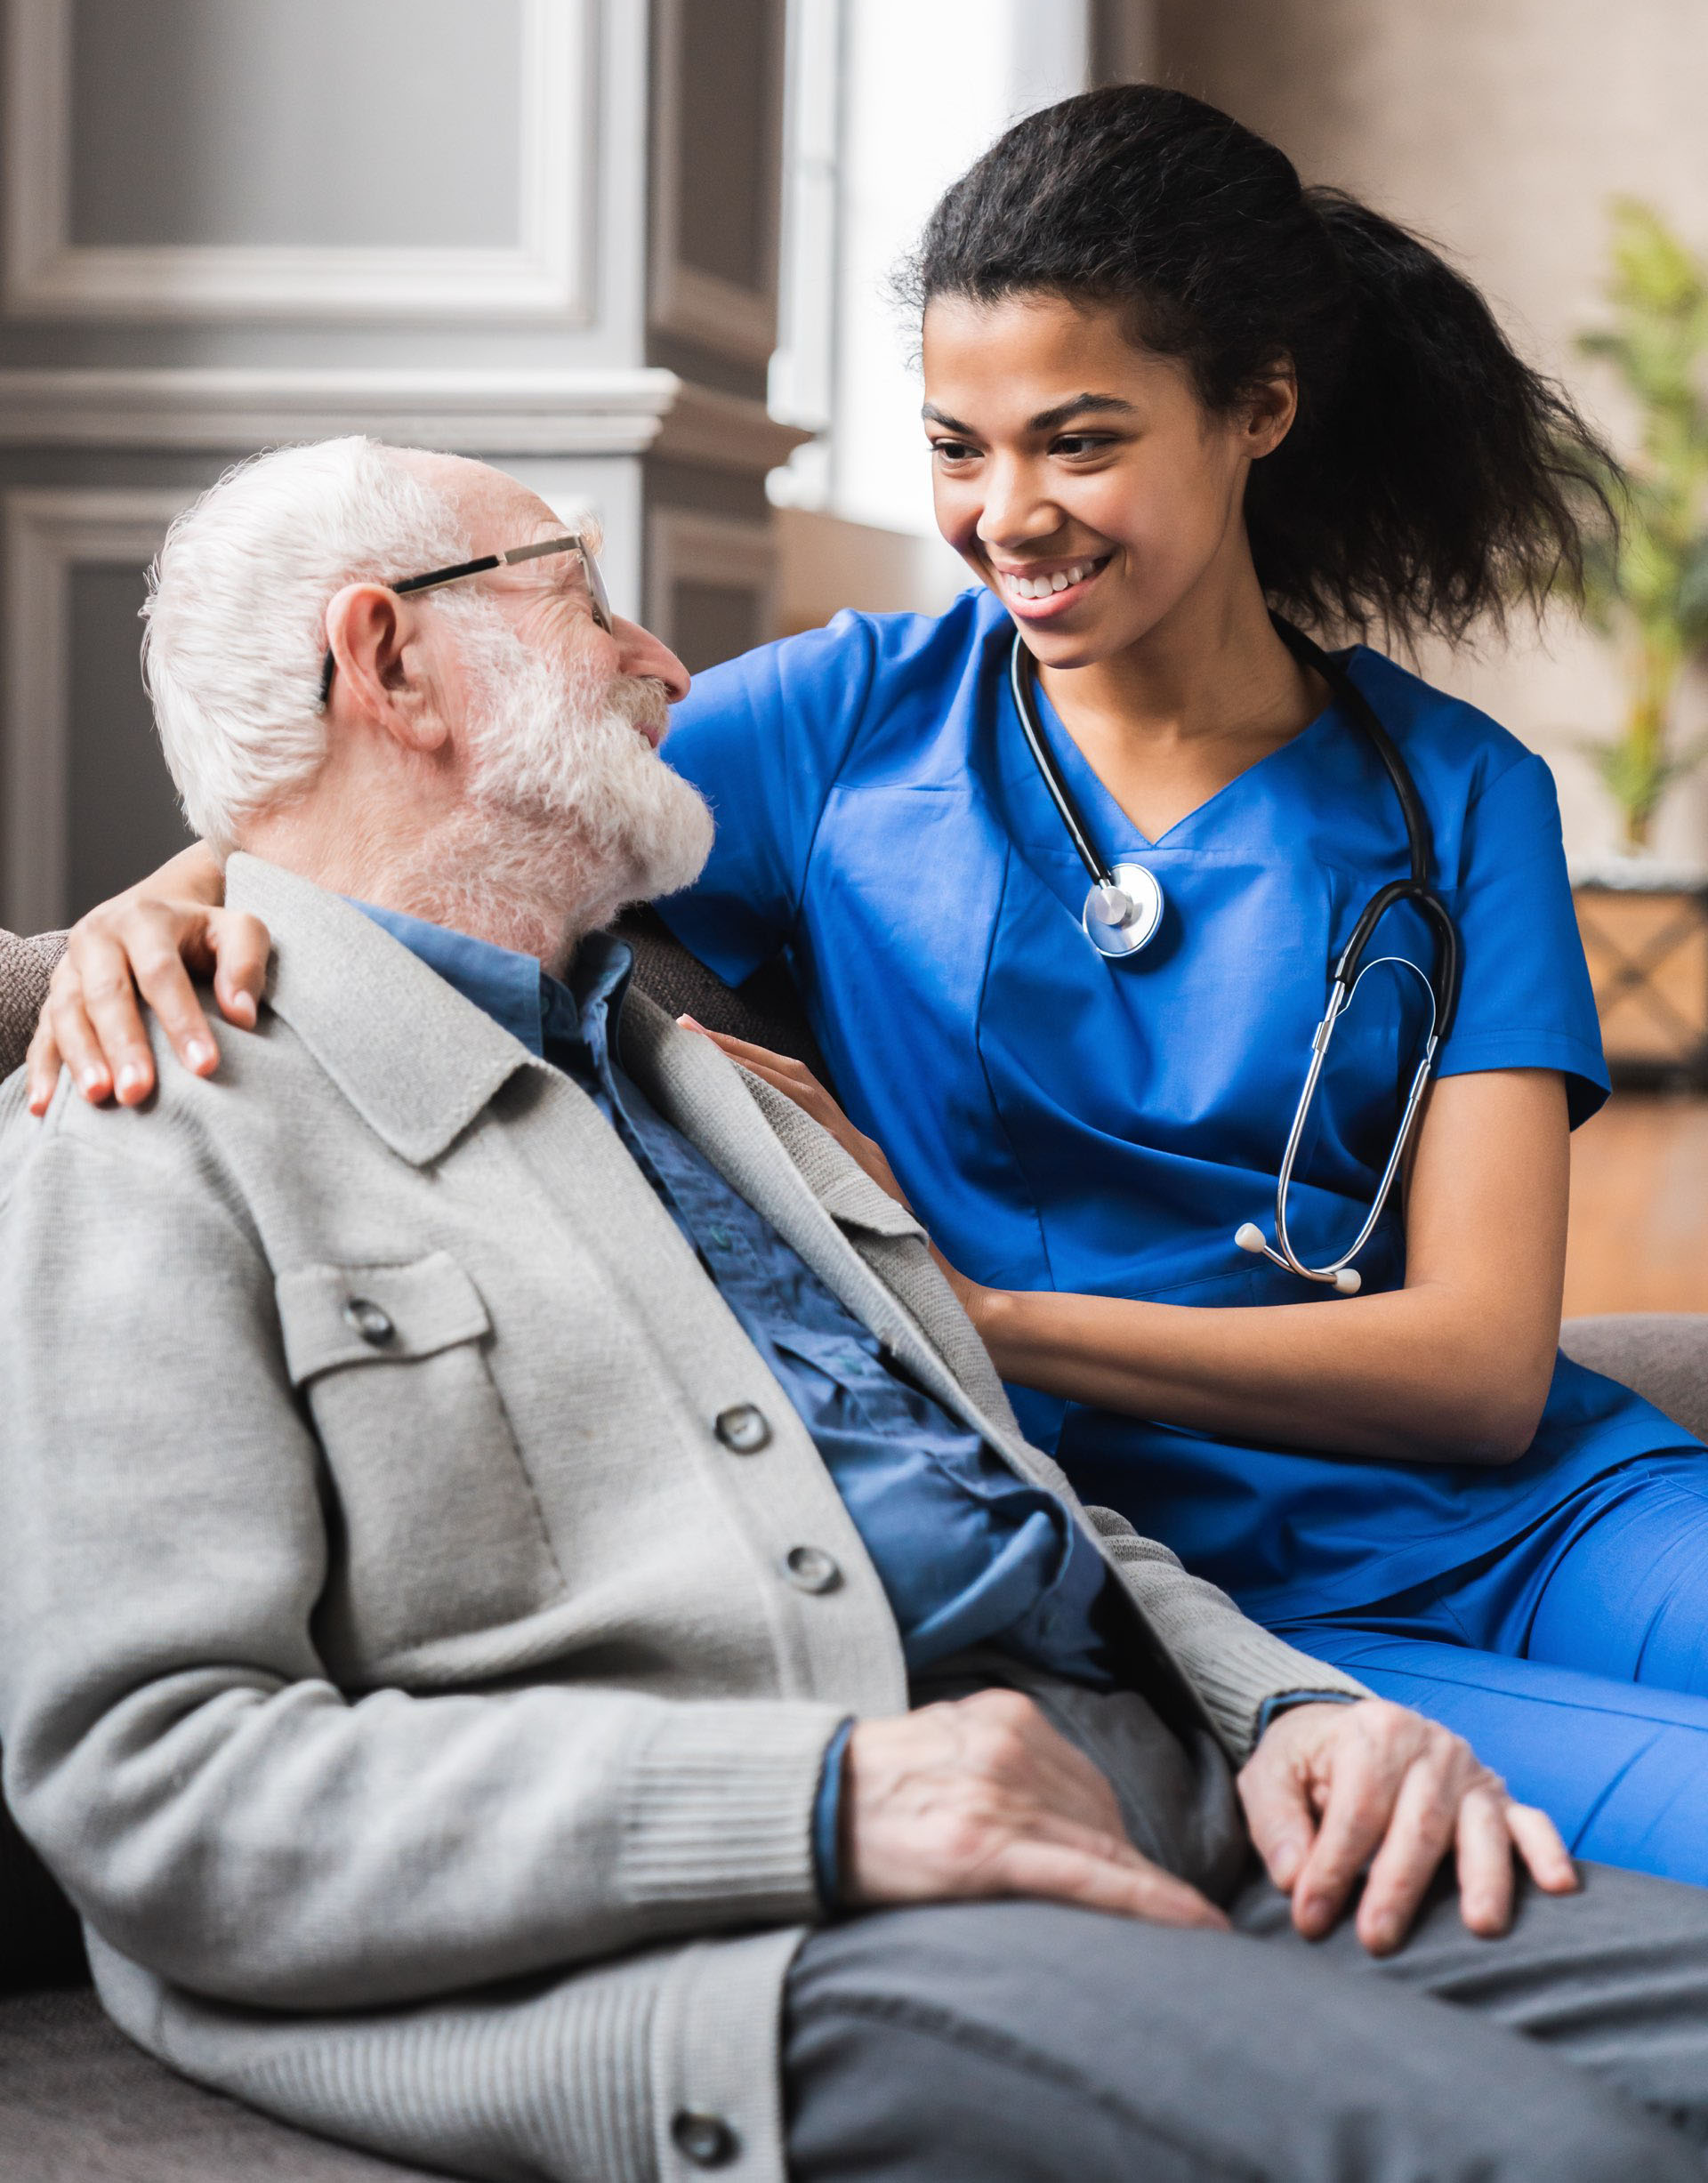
[(531, 1634)]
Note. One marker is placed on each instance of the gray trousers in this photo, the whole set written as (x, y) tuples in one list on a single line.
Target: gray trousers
[(1028, 2042)]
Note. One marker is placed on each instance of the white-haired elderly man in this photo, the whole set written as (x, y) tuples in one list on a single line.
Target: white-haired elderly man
[(530, 1633)]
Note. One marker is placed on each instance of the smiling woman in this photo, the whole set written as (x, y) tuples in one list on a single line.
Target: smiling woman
[(1168, 393)]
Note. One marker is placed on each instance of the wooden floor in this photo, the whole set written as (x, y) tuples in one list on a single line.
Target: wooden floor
[(1639, 1206)]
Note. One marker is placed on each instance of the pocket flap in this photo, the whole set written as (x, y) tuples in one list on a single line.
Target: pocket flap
[(365, 1315), (854, 1200)]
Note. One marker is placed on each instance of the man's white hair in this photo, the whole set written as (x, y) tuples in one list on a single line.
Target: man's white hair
[(237, 633)]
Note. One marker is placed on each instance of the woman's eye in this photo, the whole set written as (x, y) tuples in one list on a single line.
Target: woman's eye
[(953, 450), (1072, 444)]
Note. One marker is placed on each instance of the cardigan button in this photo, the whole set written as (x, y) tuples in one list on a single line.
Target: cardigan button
[(705, 2140), (811, 1569), (743, 1430), (367, 1318)]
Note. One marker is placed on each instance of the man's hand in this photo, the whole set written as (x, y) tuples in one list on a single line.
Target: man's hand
[(1332, 1789), (982, 1797), (156, 937)]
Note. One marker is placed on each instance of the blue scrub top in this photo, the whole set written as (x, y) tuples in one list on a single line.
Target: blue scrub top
[(1061, 1121)]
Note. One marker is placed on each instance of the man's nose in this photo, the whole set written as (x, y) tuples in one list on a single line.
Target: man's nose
[(639, 652)]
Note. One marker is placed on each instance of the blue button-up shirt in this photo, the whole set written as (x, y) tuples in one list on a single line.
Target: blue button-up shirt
[(968, 1553)]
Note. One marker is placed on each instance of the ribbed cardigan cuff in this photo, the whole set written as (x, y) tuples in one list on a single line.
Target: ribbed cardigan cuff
[(719, 1808), (1244, 1668)]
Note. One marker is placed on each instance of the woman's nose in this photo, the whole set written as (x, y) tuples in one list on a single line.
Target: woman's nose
[(640, 653), (1015, 511)]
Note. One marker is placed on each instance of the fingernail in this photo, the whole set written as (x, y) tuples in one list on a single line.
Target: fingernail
[(690, 1023), (131, 1078), (91, 1080), (200, 1054)]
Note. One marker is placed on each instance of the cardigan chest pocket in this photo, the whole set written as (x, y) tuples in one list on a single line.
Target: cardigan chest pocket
[(437, 1532)]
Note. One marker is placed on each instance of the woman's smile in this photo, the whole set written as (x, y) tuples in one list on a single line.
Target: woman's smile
[(1041, 591)]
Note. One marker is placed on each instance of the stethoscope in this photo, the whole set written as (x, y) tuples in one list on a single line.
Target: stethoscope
[(1124, 911)]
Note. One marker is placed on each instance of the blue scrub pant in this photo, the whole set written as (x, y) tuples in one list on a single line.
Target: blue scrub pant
[(1575, 1660)]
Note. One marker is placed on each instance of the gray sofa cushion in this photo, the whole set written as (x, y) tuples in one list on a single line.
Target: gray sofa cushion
[(1663, 1354), (79, 2104), (24, 968)]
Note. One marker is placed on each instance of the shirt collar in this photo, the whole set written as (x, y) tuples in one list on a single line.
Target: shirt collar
[(512, 989)]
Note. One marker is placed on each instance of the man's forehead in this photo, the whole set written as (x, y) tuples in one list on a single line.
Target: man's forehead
[(489, 501)]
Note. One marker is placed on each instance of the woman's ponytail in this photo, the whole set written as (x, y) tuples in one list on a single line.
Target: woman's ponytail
[(1431, 478)]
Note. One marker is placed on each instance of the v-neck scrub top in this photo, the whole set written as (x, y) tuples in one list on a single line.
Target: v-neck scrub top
[(1064, 1121)]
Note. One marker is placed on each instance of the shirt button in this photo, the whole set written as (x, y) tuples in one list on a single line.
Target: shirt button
[(369, 1321), (705, 2140), (811, 1569), (743, 1430)]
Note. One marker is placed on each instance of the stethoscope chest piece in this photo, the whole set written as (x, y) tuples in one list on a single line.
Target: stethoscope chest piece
[(1122, 913)]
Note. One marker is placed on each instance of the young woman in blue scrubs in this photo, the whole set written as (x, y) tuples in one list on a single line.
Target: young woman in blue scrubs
[(1165, 390)]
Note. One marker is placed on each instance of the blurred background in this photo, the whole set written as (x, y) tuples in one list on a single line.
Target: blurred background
[(637, 251)]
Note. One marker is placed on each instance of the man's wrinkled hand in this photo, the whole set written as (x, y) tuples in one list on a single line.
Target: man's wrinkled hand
[(981, 1797), (1331, 1789), (91, 1022)]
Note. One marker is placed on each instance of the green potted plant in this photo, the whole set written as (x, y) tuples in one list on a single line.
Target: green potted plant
[(1646, 588)]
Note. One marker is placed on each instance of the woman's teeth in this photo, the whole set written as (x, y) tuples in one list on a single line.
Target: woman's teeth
[(1041, 587)]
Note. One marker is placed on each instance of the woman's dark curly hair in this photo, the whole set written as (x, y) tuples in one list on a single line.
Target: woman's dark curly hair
[(1431, 477)]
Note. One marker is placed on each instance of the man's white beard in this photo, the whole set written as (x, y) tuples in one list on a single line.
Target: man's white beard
[(572, 814)]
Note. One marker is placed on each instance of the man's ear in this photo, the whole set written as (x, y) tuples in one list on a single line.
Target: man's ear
[(373, 635)]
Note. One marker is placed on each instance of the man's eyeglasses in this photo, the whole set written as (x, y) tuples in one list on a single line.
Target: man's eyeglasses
[(434, 577)]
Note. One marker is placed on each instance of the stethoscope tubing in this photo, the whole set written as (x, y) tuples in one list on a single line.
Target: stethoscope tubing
[(1442, 980)]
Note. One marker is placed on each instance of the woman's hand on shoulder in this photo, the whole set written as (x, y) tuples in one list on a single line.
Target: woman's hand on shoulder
[(795, 1080), (153, 940)]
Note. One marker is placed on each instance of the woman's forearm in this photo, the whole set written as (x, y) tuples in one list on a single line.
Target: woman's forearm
[(1424, 1374)]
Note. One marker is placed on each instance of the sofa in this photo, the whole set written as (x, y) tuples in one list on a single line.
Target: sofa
[(78, 2104)]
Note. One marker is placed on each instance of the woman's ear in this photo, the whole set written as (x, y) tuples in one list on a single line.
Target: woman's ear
[(371, 634), (1269, 409)]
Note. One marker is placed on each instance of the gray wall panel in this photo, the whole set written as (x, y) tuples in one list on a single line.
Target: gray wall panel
[(319, 123), (711, 621), (723, 133), (125, 815)]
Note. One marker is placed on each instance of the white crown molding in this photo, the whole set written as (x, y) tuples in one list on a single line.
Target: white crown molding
[(548, 274), (565, 413), (728, 431), (48, 533)]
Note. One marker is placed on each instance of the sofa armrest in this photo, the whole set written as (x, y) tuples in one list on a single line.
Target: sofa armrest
[(1662, 1355), (25, 965)]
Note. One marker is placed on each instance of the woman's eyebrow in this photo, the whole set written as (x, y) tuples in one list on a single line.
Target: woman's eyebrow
[(1049, 420), (1046, 420)]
